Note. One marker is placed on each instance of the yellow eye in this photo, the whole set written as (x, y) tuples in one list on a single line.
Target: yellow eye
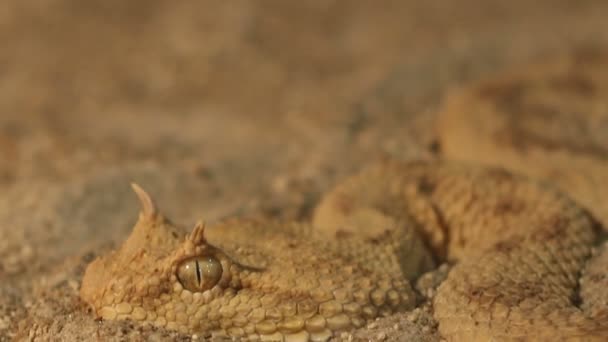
[(199, 273)]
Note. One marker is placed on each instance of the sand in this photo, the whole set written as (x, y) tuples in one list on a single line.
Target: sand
[(223, 109)]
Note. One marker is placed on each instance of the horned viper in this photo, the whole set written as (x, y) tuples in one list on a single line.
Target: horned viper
[(519, 245)]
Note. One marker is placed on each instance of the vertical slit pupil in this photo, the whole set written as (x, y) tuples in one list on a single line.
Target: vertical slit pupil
[(199, 279)]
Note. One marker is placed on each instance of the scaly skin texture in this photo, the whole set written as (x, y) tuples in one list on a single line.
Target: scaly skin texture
[(277, 282), (548, 120), (519, 246)]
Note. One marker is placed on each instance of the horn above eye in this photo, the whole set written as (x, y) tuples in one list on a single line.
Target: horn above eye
[(148, 207), (200, 273)]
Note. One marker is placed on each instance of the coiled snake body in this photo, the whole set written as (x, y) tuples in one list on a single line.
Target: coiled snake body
[(519, 247)]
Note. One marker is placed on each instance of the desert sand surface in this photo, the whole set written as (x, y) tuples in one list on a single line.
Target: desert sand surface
[(223, 108)]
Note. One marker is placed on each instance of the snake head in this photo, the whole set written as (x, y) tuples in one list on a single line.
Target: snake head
[(242, 278), (159, 272)]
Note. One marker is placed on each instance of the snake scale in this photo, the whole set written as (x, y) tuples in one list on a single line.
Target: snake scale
[(498, 206)]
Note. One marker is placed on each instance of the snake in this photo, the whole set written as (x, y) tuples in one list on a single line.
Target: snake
[(515, 207)]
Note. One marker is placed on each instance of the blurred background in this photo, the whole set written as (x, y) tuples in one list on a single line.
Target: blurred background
[(87, 84), (222, 108)]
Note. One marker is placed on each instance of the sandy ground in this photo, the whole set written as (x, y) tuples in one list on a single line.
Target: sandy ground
[(222, 108)]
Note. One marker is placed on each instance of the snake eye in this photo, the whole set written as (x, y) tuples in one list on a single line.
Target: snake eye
[(199, 273)]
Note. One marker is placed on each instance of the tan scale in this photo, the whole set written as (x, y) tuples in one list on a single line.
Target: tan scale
[(548, 120), (520, 248), (283, 284)]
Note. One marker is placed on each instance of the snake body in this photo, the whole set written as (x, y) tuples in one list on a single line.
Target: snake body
[(548, 120), (519, 246)]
